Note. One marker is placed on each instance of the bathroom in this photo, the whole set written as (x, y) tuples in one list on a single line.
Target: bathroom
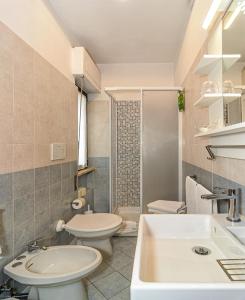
[(122, 140)]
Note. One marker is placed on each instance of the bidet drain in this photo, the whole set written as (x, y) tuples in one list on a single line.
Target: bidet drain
[(200, 250)]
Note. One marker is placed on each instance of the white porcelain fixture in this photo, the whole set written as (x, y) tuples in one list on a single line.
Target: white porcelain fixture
[(238, 232), (166, 267), (55, 273), (94, 230)]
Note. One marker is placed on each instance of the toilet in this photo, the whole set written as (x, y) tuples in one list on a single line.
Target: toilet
[(94, 230), (166, 207)]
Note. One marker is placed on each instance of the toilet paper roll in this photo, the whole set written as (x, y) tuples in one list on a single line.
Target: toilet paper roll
[(78, 203)]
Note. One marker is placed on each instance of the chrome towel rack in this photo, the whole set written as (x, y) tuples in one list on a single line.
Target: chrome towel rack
[(212, 155)]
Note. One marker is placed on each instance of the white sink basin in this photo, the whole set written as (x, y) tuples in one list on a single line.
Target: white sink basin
[(238, 232), (55, 273), (166, 267)]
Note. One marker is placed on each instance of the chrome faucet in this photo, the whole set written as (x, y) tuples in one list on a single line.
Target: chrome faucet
[(233, 195), (34, 245)]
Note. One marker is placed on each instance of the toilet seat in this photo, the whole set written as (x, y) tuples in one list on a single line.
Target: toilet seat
[(94, 230), (93, 225), (166, 206)]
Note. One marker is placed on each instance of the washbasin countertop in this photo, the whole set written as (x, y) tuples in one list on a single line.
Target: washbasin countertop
[(166, 266)]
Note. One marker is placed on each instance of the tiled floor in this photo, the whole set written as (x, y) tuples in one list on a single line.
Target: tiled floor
[(112, 279)]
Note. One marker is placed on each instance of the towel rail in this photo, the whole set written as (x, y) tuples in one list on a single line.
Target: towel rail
[(212, 155)]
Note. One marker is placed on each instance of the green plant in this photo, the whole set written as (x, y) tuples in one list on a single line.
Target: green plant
[(181, 101)]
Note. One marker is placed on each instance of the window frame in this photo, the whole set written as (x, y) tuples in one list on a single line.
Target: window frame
[(82, 167)]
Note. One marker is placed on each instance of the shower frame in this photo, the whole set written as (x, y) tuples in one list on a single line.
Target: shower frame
[(109, 91)]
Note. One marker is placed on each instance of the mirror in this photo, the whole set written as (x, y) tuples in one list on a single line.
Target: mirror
[(234, 63)]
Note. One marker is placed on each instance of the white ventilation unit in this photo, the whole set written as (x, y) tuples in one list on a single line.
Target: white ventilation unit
[(85, 71)]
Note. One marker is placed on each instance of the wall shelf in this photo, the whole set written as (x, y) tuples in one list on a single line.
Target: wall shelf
[(208, 99), (209, 62), (236, 128), (85, 171)]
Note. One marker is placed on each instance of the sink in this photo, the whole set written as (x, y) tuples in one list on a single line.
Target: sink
[(168, 266), (238, 232), (55, 273)]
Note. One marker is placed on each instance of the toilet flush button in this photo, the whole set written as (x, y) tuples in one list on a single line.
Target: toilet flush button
[(58, 151)]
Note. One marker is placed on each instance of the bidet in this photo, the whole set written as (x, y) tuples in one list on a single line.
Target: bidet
[(55, 273)]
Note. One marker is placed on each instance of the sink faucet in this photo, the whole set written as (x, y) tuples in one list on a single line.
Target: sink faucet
[(233, 195), (34, 245)]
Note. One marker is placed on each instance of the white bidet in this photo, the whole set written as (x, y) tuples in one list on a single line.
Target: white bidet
[(55, 273)]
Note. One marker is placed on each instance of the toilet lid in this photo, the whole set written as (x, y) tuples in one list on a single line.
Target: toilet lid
[(94, 222), (165, 205)]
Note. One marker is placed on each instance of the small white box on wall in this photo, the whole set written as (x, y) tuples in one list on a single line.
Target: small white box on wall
[(58, 151)]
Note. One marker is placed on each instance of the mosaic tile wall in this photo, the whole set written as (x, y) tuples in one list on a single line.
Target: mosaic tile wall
[(128, 153), (113, 155)]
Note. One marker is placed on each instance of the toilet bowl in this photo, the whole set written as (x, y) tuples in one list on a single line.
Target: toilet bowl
[(93, 230), (55, 273), (166, 207)]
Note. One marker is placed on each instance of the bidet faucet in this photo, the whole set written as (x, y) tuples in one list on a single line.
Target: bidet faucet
[(34, 245), (233, 195)]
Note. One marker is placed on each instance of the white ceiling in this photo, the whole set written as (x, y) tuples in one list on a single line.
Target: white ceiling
[(124, 31)]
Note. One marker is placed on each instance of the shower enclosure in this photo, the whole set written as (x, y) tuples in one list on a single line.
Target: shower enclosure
[(144, 151)]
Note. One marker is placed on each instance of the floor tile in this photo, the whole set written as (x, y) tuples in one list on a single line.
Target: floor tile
[(112, 284), (118, 260), (126, 245), (123, 295), (102, 271), (94, 294), (127, 271)]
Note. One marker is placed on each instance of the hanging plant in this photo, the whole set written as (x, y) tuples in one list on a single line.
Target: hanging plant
[(181, 101)]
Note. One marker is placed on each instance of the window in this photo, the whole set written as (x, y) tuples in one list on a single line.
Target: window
[(82, 130)]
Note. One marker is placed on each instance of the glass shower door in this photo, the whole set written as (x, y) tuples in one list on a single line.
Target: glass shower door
[(159, 147)]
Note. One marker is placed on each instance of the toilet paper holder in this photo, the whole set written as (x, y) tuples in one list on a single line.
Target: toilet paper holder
[(78, 203)]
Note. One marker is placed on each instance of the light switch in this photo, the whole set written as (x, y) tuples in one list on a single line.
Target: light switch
[(58, 151)]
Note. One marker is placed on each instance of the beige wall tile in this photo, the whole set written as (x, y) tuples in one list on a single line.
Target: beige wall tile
[(6, 128), (23, 157), (23, 128), (72, 152), (6, 154), (6, 82), (41, 155), (237, 170), (43, 132), (38, 106), (98, 128)]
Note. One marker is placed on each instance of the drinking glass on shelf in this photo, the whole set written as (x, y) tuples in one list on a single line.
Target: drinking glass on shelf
[(228, 86), (209, 87)]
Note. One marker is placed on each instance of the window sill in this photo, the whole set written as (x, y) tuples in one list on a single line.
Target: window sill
[(85, 171)]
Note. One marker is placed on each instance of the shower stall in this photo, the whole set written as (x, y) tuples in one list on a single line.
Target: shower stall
[(144, 151)]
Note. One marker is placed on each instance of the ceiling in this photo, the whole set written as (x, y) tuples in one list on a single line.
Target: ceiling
[(124, 31)]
